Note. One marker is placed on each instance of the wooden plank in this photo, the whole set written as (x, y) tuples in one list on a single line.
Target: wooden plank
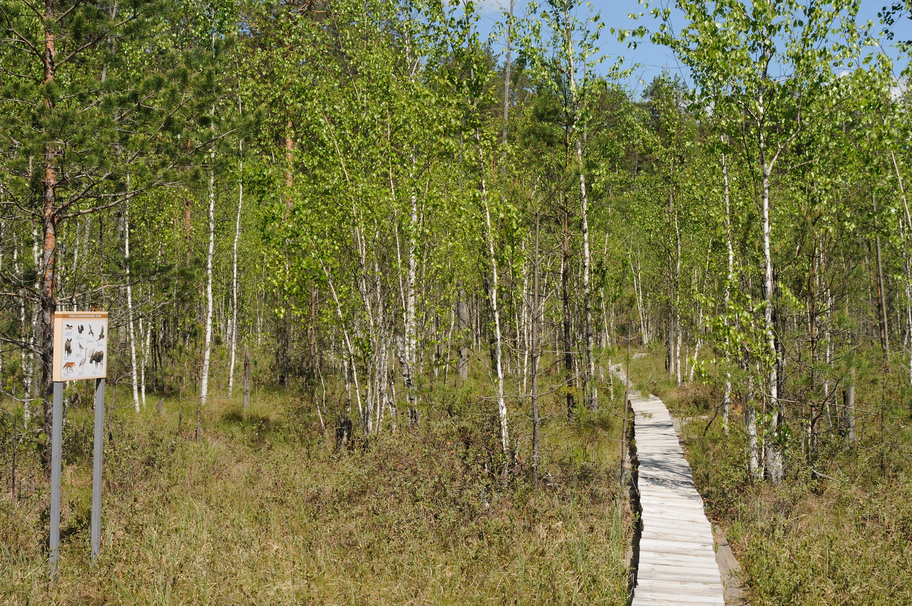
[(677, 574), (685, 562), (677, 562), (676, 596)]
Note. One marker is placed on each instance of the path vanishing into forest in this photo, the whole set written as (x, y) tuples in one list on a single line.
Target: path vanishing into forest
[(674, 557)]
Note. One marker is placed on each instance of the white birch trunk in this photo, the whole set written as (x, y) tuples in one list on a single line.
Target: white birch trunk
[(524, 326), (492, 259), (677, 301), (410, 315), (204, 387), (22, 352), (130, 300), (349, 346), (144, 339), (773, 455), (750, 420), (639, 299), (31, 378), (908, 216), (729, 283), (591, 391), (234, 280)]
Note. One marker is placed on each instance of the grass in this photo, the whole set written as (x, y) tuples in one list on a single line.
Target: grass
[(266, 510)]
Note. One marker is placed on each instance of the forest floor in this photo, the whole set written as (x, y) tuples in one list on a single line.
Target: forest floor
[(836, 531), (266, 509)]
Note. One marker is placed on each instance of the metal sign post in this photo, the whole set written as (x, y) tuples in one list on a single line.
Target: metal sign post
[(80, 352), (96, 467), (56, 454)]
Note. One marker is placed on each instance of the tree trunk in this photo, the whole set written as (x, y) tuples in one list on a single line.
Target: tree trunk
[(589, 388), (678, 333), (773, 456), (507, 66), (495, 310), (638, 292), (908, 217), (207, 352), (246, 379), (408, 367), (750, 421), (25, 353), (670, 360), (234, 280), (132, 334), (881, 295), (533, 345), (144, 338), (729, 283), (463, 323), (567, 336), (49, 219)]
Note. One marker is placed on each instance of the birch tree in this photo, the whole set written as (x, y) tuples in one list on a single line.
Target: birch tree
[(774, 57)]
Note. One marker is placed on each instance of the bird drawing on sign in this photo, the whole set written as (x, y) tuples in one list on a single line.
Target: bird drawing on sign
[(83, 361), (69, 327), (92, 334), (80, 328), (101, 334), (80, 345)]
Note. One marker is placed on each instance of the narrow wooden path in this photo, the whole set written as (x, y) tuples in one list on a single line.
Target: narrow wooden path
[(677, 562)]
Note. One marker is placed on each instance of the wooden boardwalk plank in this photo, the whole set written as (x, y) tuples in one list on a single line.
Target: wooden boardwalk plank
[(677, 563)]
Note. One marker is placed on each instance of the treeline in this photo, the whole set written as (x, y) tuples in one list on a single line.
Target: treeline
[(369, 198)]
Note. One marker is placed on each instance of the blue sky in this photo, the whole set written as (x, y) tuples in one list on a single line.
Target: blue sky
[(652, 59)]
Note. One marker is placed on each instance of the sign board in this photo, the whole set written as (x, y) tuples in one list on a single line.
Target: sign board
[(80, 345)]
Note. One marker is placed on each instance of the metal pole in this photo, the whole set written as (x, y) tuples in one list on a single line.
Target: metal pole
[(56, 433), (96, 467)]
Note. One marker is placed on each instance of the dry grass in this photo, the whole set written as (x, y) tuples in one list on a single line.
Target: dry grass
[(266, 511)]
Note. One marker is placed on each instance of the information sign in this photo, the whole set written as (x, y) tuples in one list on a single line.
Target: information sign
[(80, 345)]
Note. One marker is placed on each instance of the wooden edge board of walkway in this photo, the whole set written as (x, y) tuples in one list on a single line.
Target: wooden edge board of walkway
[(677, 563)]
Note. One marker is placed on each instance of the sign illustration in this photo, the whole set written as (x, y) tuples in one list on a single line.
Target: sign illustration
[(80, 345)]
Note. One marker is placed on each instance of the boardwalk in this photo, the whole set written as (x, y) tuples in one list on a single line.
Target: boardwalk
[(677, 563)]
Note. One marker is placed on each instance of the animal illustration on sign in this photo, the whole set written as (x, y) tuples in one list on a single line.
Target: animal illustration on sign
[(69, 366), (68, 347), (91, 334), (84, 358), (97, 358), (80, 328), (101, 334), (69, 327)]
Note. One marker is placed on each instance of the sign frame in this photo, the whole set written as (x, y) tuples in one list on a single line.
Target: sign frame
[(80, 345)]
